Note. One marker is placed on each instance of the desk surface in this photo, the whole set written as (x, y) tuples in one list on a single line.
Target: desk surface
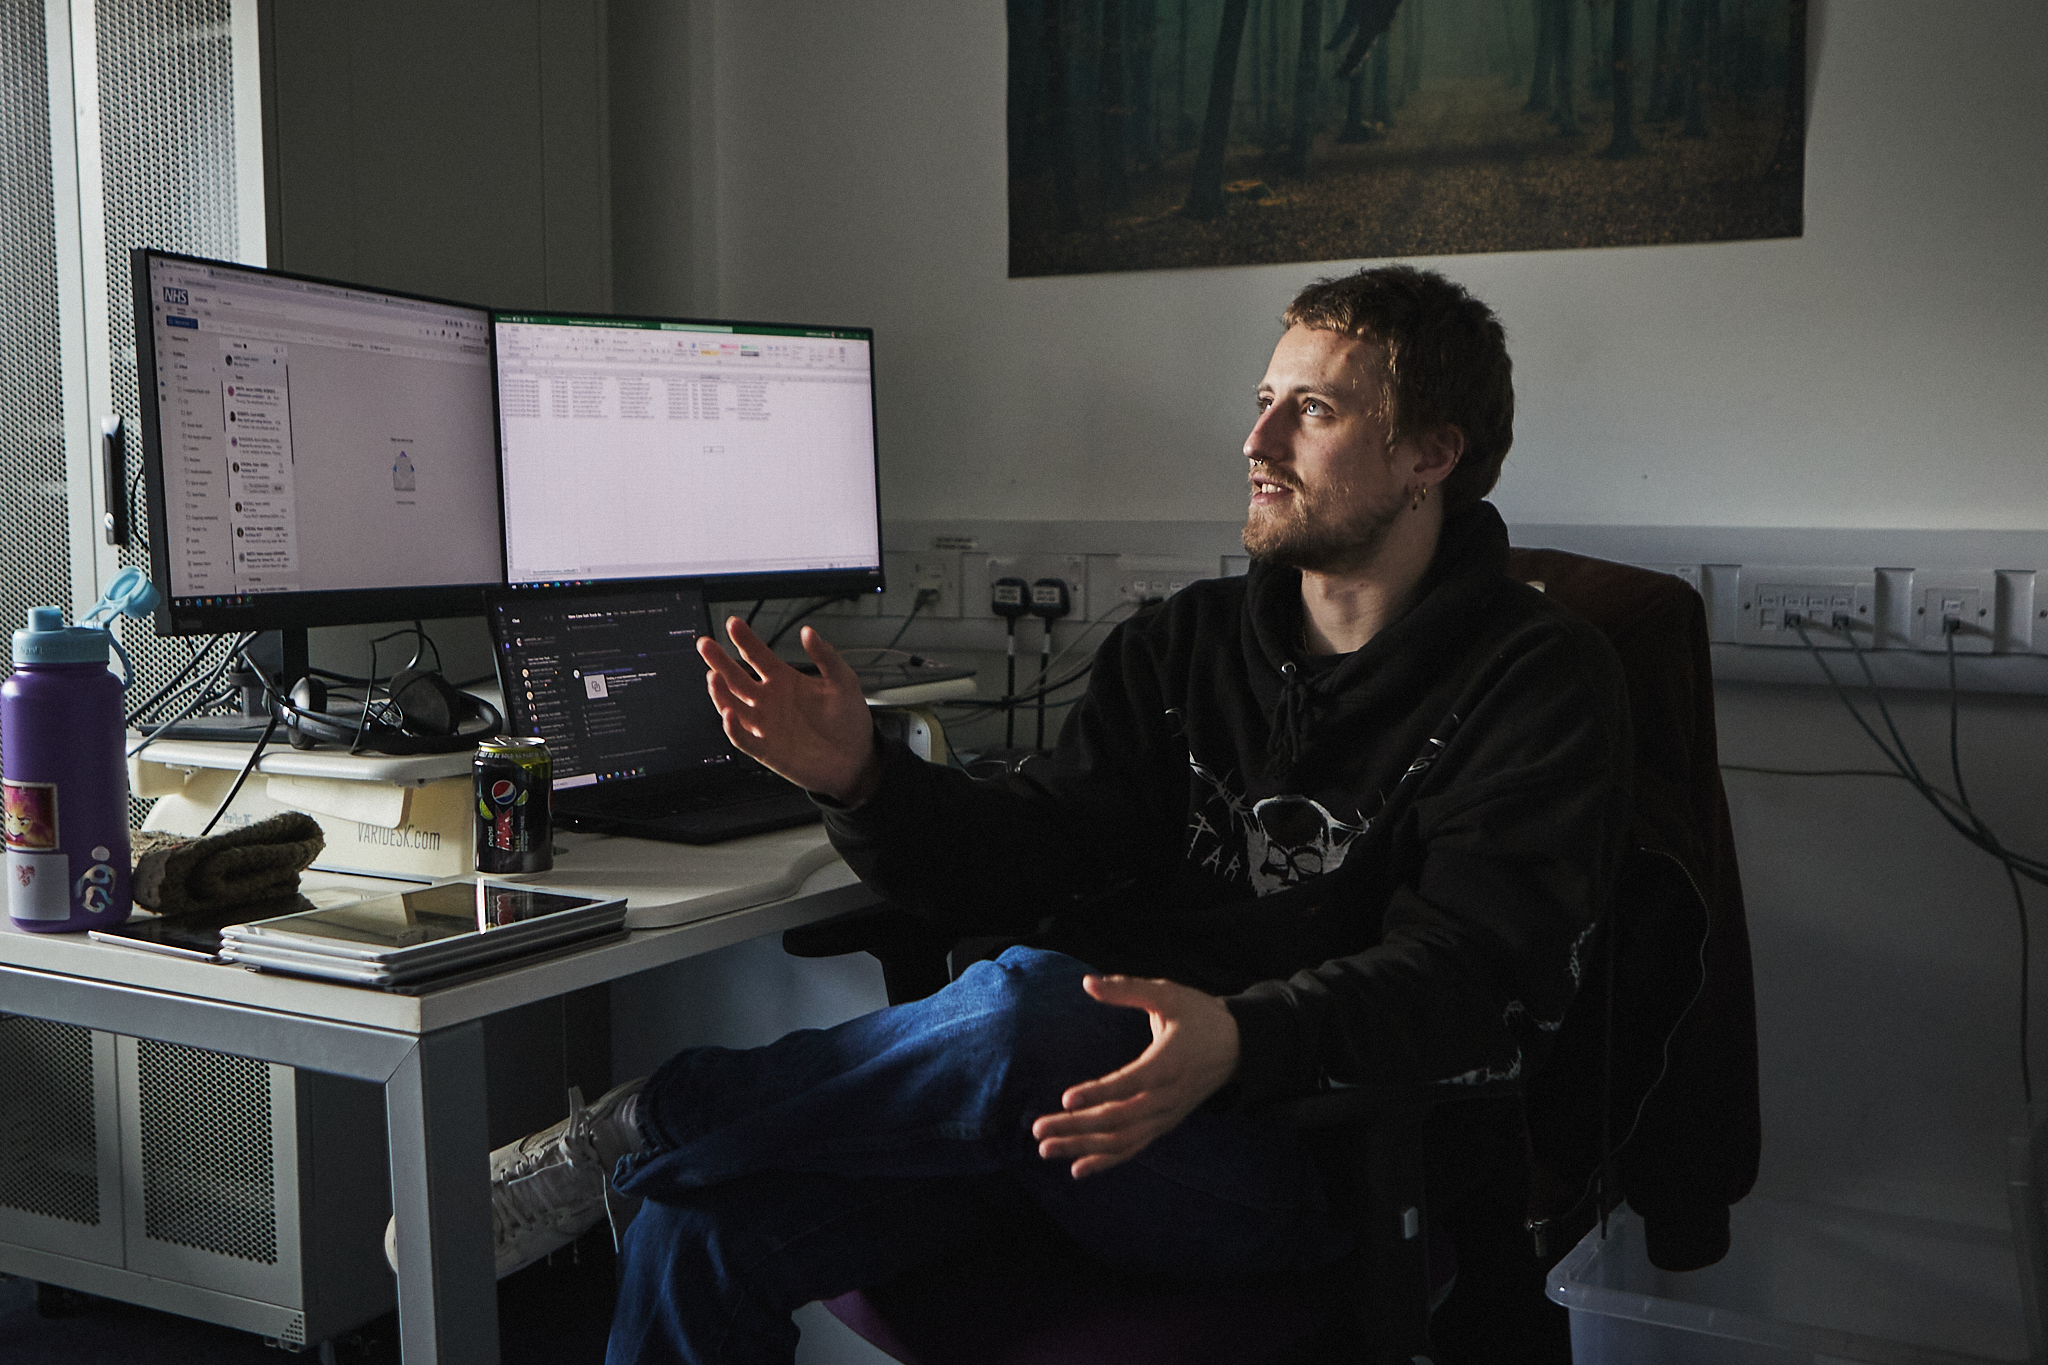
[(712, 886)]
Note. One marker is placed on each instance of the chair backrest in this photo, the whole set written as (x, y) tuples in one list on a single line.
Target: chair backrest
[(1667, 1117)]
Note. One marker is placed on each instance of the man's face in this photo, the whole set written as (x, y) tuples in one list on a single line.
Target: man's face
[(1325, 483)]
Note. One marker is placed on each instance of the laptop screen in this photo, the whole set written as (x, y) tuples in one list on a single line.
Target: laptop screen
[(612, 681)]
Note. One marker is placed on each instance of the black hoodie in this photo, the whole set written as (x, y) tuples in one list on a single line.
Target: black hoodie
[(1386, 862)]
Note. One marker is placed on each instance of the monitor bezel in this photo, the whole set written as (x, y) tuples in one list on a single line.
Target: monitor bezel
[(299, 609), (717, 587)]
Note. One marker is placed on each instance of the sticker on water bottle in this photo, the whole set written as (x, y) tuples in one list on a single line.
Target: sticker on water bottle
[(38, 886), (31, 815)]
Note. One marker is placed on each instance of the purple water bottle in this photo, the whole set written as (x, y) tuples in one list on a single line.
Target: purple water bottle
[(65, 779)]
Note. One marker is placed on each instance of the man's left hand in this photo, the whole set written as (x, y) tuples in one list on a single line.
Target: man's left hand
[(1114, 1117)]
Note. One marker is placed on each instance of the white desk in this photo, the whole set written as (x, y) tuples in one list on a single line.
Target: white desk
[(426, 1051)]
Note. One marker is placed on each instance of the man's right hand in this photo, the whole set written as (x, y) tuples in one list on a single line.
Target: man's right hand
[(815, 731)]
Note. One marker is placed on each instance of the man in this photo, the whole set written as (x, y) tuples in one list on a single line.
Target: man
[(1348, 819)]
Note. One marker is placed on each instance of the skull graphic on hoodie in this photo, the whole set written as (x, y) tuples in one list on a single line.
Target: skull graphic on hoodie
[(1272, 843)]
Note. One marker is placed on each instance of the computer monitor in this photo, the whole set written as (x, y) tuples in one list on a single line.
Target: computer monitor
[(738, 456), (317, 453)]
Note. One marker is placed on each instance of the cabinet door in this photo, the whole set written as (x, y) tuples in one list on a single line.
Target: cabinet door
[(60, 1163), (210, 1182)]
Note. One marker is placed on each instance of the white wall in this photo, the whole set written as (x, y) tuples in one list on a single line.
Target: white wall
[(1884, 370)]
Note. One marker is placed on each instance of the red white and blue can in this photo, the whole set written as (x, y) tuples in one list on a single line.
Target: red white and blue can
[(515, 828)]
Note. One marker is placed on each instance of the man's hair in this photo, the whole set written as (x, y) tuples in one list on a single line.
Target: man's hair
[(1446, 361)]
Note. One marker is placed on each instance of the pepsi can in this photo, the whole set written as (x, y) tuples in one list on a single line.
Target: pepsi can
[(515, 828)]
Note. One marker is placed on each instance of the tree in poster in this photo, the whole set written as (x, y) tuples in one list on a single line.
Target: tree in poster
[(1565, 113), (1307, 75), (1692, 66), (1144, 40), (1363, 23), (1663, 79), (1111, 114), (1205, 190), (1546, 55), (1382, 79), (1059, 134), (1355, 128), (1789, 159), (1625, 142)]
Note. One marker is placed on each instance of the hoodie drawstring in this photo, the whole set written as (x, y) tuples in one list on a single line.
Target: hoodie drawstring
[(1290, 718)]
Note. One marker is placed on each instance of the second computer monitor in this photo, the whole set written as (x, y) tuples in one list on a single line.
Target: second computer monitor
[(739, 455)]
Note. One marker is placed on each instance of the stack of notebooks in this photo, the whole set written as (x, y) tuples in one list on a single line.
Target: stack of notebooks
[(431, 937)]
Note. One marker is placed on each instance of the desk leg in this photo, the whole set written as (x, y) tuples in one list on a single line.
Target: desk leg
[(440, 1186)]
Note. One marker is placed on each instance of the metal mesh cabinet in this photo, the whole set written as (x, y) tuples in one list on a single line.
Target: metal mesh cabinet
[(60, 1170), (214, 1186)]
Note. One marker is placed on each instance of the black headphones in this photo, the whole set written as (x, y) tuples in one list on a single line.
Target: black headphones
[(434, 717)]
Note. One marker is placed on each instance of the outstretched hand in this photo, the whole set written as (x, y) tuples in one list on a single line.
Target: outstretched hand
[(1111, 1119), (815, 731)]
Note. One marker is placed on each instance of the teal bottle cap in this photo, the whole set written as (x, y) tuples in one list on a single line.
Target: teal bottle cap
[(49, 641)]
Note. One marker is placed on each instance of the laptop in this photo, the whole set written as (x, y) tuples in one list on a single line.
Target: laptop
[(611, 679)]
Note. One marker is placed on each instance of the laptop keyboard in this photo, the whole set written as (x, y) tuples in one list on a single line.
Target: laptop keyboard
[(754, 784)]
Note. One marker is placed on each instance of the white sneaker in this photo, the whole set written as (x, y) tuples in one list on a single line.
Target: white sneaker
[(551, 1186)]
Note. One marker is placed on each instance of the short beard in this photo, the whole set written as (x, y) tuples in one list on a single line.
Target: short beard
[(1313, 544)]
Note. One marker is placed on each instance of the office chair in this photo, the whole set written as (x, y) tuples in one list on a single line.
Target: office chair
[(1653, 1074)]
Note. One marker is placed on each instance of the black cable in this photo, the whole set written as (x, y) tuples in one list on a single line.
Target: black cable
[(1010, 691), (1010, 704), (923, 595), (759, 603), (818, 605), (191, 667), (1044, 667), (1977, 832), (2031, 868), (269, 729), (204, 696), (425, 642), (1813, 772), (1955, 757), (2019, 899), (1883, 711)]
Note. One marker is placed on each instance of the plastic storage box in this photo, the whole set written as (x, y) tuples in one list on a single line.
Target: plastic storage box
[(1803, 1283)]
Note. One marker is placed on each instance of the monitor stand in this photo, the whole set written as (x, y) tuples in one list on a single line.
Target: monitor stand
[(283, 658)]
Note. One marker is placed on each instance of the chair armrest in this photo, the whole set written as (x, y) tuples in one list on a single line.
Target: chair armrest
[(1363, 1105), (912, 953), (1370, 1105)]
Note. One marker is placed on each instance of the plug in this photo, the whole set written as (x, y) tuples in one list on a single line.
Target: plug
[(1010, 598), (1049, 600)]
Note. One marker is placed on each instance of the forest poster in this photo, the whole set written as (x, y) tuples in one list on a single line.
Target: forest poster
[(1149, 134)]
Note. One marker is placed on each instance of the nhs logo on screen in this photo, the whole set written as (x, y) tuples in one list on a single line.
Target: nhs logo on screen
[(176, 295)]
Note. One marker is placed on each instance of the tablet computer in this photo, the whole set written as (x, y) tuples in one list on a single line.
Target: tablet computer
[(269, 955), (441, 923)]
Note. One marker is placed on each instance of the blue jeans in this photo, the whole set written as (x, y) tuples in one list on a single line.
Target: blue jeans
[(838, 1158)]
